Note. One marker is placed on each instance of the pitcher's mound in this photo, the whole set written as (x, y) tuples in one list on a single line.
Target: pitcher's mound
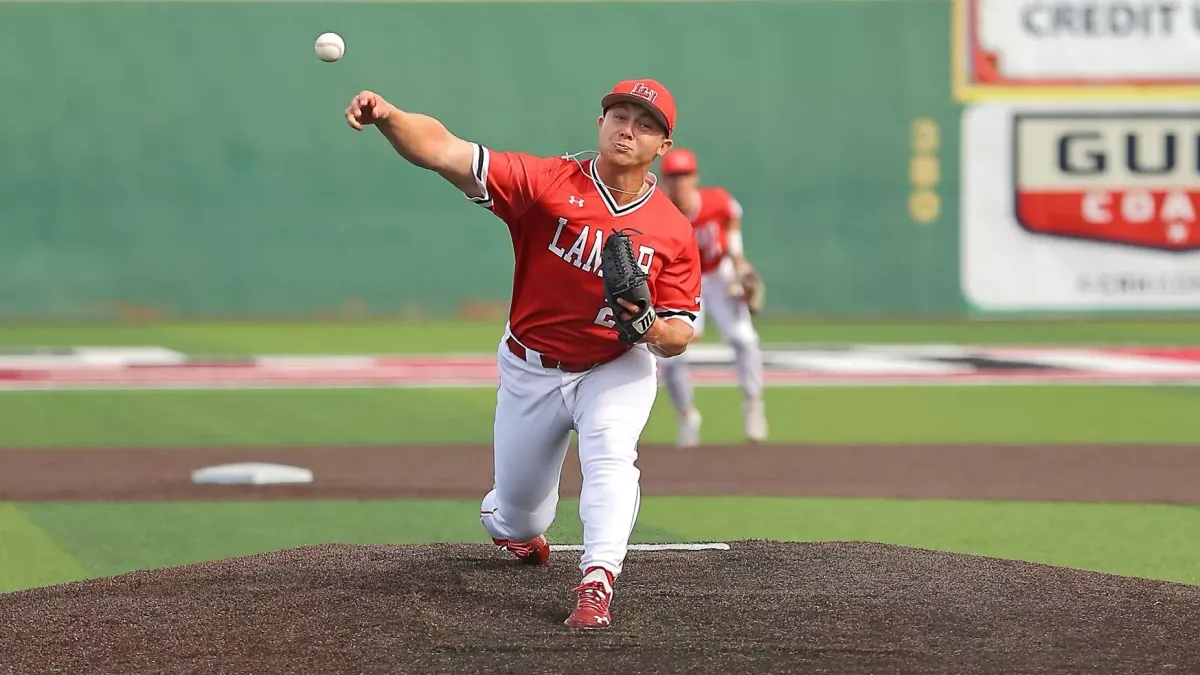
[(760, 607)]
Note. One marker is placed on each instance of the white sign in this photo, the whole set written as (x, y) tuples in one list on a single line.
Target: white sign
[(1080, 206), (1030, 44)]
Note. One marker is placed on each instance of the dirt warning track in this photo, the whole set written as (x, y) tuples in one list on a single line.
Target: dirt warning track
[(1127, 473)]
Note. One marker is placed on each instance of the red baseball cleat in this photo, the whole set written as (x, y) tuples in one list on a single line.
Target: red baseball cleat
[(536, 551), (591, 607)]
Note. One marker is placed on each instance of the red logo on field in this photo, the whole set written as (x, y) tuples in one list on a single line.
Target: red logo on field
[(1130, 179)]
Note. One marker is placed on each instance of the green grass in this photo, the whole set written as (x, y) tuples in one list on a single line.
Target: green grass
[(43, 543), (117, 537), (1161, 542), (314, 417), (1154, 541), (29, 556), (462, 336), (388, 416)]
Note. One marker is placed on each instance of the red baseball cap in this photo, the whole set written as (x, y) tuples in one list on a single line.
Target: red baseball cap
[(647, 93), (678, 160)]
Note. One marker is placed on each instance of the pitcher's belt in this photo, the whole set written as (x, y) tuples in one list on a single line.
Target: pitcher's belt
[(547, 362)]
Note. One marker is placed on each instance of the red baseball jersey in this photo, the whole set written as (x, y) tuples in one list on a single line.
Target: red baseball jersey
[(716, 208), (558, 213)]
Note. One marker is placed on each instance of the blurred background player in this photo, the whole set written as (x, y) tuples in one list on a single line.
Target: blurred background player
[(717, 219)]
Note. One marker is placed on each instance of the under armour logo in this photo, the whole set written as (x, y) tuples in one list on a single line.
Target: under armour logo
[(575, 201), (642, 91)]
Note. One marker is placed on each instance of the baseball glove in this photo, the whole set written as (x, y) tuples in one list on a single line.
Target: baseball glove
[(624, 279), (753, 289)]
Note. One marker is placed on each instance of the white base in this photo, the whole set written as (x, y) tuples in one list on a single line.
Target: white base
[(252, 473)]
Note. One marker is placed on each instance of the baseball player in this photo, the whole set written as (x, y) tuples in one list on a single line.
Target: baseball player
[(731, 292), (572, 355)]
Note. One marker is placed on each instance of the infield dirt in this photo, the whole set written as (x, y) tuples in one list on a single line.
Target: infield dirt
[(761, 607), (1089, 473)]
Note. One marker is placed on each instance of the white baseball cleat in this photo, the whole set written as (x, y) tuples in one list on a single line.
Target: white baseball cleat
[(755, 417), (689, 429)]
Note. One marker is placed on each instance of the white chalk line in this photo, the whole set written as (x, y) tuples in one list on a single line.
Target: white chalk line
[(713, 546)]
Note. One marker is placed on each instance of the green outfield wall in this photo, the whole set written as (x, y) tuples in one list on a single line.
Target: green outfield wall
[(191, 158)]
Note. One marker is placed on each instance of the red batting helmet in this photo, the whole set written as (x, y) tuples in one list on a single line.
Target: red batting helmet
[(647, 93)]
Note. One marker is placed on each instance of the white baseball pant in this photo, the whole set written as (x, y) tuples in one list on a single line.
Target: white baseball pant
[(536, 409), (736, 326)]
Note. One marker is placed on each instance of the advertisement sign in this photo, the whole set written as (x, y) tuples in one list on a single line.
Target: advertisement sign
[(1076, 49), (1081, 206)]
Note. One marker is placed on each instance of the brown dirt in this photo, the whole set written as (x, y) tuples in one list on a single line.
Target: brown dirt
[(761, 607), (1154, 473)]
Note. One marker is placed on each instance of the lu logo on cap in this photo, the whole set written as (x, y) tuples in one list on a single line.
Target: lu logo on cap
[(647, 92), (642, 91)]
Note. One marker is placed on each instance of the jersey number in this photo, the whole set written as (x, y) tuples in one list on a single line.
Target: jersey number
[(604, 317)]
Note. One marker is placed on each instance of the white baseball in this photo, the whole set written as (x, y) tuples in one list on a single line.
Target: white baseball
[(330, 47)]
